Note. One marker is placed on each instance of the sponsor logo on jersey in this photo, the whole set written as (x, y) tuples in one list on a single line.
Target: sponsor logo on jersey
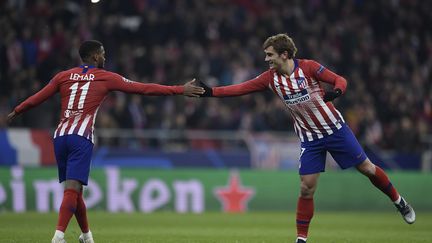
[(69, 113), (296, 98)]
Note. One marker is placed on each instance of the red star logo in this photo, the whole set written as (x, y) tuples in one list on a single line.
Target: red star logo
[(234, 197)]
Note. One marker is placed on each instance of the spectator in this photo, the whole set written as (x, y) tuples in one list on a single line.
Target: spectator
[(383, 48)]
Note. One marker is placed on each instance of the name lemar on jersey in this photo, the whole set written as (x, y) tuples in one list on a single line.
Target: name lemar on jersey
[(79, 77)]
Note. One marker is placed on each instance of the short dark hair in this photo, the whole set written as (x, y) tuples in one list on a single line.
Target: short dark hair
[(88, 48), (281, 43)]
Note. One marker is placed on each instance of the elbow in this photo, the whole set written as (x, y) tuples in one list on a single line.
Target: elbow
[(341, 84)]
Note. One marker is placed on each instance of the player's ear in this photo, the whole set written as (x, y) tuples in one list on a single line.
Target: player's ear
[(285, 55), (95, 57)]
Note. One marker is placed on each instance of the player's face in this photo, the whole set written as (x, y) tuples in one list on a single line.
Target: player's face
[(100, 58), (274, 59)]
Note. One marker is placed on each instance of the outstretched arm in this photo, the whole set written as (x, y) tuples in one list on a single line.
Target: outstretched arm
[(120, 83), (253, 85), (49, 90)]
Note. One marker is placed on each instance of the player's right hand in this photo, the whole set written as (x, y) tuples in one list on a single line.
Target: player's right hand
[(191, 90), (11, 116)]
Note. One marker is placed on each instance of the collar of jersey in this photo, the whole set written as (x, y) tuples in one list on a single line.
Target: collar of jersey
[(87, 66), (295, 64)]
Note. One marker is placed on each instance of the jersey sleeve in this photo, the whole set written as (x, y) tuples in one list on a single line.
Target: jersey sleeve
[(46, 92), (120, 83), (253, 85), (319, 72)]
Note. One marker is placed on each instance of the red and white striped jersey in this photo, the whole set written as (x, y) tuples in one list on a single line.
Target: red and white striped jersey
[(302, 94), (82, 90)]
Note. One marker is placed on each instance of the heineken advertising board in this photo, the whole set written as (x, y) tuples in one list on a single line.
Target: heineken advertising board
[(194, 191)]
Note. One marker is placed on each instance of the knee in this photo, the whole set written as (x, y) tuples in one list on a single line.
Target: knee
[(367, 168), (307, 190), (74, 185)]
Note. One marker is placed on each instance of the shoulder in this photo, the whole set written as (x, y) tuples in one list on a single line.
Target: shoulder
[(267, 74), (108, 73), (105, 74), (311, 66), (307, 63), (112, 76)]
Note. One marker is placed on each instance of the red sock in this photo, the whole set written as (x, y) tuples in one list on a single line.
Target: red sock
[(81, 214), (382, 182), (305, 211), (67, 208)]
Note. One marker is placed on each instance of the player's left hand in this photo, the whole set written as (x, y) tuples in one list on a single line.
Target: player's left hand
[(191, 90), (11, 116), (331, 95), (208, 90)]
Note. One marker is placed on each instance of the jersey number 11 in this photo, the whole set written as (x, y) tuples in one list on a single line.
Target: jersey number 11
[(74, 89)]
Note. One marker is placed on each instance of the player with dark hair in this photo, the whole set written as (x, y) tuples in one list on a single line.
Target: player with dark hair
[(82, 90), (319, 125)]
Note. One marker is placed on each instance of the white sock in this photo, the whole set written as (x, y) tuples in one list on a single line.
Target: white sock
[(59, 234), (398, 200), (88, 234)]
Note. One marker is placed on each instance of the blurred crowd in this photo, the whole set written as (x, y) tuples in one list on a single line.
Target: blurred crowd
[(383, 48)]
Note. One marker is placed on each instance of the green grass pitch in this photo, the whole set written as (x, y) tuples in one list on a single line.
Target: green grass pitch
[(265, 227)]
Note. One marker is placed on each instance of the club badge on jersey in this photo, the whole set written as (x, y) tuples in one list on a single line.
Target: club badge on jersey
[(301, 82)]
